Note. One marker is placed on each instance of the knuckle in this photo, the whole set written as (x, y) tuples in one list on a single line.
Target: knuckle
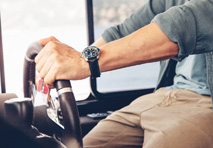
[(52, 38), (55, 56), (56, 66), (52, 45)]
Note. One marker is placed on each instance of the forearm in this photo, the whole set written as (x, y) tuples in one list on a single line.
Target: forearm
[(148, 44)]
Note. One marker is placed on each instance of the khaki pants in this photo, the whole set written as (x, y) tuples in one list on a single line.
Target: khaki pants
[(164, 119)]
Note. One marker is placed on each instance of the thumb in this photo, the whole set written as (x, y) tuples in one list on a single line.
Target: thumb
[(44, 41)]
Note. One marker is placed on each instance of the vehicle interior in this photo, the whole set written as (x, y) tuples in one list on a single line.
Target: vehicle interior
[(22, 122)]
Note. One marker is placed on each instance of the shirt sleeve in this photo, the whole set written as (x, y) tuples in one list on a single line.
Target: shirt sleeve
[(140, 18), (190, 26)]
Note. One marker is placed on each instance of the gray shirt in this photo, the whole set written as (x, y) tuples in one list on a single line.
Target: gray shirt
[(187, 23)]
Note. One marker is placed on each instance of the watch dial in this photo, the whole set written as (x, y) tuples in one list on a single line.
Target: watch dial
[(91, 51)]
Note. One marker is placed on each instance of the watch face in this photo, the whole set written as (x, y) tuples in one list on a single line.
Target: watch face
[(91, 52)]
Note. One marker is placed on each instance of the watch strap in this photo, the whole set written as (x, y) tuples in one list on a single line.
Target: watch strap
[(94, 68)]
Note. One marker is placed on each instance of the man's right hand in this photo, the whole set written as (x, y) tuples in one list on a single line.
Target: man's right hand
[(57, 61)]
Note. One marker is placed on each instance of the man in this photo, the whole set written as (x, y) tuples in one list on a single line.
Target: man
[(177, 115)]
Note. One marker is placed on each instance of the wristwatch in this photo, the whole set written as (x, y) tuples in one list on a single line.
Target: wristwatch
[(91, 55)]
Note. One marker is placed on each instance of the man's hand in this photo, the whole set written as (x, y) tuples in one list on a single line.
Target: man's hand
[(58, 61)]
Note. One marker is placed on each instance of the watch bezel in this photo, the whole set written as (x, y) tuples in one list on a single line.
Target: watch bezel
[(90, 57)]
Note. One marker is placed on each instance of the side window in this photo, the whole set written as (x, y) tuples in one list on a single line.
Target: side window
[(108, 13), (27, 21)]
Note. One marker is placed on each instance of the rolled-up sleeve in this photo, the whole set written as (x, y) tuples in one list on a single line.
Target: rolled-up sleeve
[(140, 18), (190, 26)]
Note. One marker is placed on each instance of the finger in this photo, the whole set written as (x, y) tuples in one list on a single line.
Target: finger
[(41, 63), (40, 55), (50, 76), (46, 67), (44, 41), (50, 86)]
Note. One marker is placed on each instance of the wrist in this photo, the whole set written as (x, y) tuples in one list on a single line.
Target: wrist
[(91, 55), (85, 68)]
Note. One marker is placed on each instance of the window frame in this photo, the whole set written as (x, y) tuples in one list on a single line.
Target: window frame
[(2, 74)]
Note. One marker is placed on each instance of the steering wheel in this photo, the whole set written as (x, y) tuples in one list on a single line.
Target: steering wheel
[(72, 130)]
